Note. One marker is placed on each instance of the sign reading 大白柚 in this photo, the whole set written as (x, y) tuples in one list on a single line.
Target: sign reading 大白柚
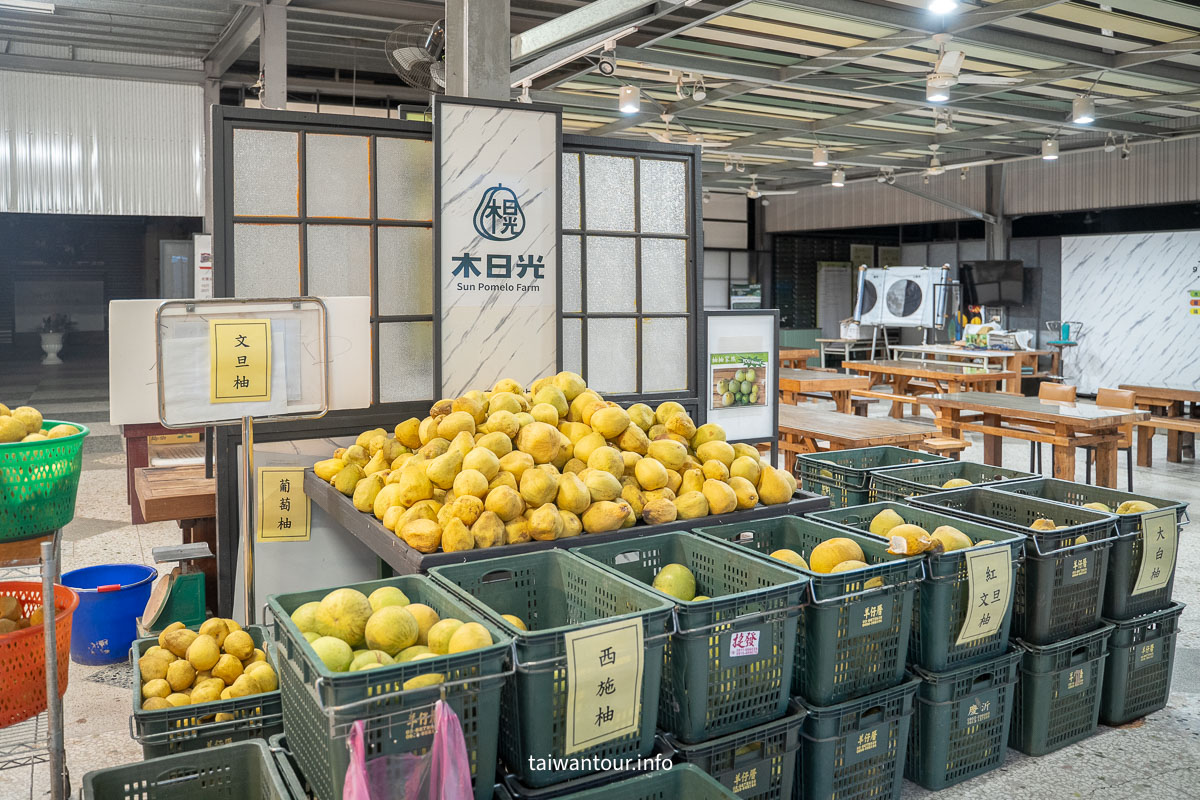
[(498, 242)]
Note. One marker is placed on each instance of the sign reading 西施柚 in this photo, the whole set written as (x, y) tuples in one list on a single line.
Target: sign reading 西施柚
[(498, 242)]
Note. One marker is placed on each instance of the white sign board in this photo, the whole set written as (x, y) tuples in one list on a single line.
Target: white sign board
[(498, 181), (202, 262), (741, 374), (901, 297)]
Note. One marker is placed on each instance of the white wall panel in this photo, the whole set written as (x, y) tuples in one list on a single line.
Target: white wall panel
[(79, 145)]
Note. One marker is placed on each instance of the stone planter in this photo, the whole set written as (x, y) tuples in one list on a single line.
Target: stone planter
[(52, 344)]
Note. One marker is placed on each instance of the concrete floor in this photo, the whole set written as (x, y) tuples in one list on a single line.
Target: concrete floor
[(1158, 757)]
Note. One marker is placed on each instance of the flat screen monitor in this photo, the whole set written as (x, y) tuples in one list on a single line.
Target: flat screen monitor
[(993, 283)]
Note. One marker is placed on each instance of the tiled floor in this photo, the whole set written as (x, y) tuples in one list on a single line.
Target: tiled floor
[(1155, 758)]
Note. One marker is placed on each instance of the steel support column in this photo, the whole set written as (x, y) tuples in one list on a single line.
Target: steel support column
[(212, 97), (478, 49), (997, 230), (272, 55)]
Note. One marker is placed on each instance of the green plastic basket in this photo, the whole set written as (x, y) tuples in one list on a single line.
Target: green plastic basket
[(1125, 557), (961, 726), (852, 639), (730, 663), (239, 771), (555, 593), (844, 476), (756, 764), (679, 782), (320, 706), (944, 597), (38, 482), (289, 770), (1057, 702), (897, 483), (1060, 585), (856, 750), (182, 729), (1141, 658)]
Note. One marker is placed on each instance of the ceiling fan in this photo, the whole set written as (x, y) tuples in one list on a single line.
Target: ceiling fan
[(690, 137), (753, 192), (947, 71)]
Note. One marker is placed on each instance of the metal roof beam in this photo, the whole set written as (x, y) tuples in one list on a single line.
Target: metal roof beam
[(241, 32), (100, 69), (945, 201), (612, 15)]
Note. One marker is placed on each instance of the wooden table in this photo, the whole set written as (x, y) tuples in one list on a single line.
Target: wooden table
[(1168, 402), (810, 382), (935, 377), (184, 495), (797, 357), (1013, 361), (137, 454), (1066, 426), (802, 429)]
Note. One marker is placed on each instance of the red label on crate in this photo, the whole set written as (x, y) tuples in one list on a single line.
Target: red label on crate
[(743, 643)]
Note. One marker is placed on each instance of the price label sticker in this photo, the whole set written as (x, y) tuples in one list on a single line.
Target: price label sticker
[(605, 666), (744, 643), (989, 590), (1160, 538)]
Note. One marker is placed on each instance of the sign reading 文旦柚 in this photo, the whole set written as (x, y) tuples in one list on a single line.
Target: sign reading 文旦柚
[(240, 358)]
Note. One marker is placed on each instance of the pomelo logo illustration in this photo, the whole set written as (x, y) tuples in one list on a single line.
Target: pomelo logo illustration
[(499, 217)]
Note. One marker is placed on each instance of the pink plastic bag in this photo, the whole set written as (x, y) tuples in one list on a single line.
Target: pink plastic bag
[(443, 773)]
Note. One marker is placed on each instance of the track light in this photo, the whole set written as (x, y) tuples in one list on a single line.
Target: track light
[(925, 180), (1050, 150), (942, 6), (881, 177), (935, 166), (608, 63), (1110, 144), (740, 166), (1125, 149), (699, 90), (707, 197), (631, 100), (766, 202), (525, 98), (680, 92), (1083, 110), (935, 93), (839, 178), (820, 158), (728, 165)]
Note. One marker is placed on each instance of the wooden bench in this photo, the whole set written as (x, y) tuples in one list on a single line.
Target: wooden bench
[(944, 446), (1174, 426)]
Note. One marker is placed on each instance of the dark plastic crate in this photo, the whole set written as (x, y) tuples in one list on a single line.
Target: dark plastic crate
[(1125, 558), (961, 725), (1057, 702), (185, 728), (844, 476), (897, 483), (238, 771), (708, 690), (1060, 585), (856, 750), (680, 782), (320, 706), (289, 770), (1141, 659), (756, 764), (622, 769), (943, 597), (852, 639), (555, 592)]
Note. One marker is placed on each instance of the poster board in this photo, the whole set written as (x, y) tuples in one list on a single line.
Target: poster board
[(901, 297), (745, 342)]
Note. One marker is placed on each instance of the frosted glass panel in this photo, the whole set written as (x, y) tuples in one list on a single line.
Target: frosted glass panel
[(572, 345), (664, 275), (612, 355), (664, 355), (611, 274), (405, 271), (739, 266), (608, 190), (572, 299), (339, 260), (266, 173), (337, 175), (570, 191), (663, 187), (716, 293), (405, 356), (405, 178), (267, 260), (716, 264)]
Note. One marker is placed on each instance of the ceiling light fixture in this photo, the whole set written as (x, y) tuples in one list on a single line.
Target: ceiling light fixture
[(740, 166), (607, 65), (1110, 144), (820, 158), (32, 6), (943, 6), (935, 166), (1083, 110), (707, 197), (728, 164), (680, 92), (630, 100), (839, 178), (935, 93), (699, 90), (1050, 150), (1126, 149), (525, 98), (962, 173)]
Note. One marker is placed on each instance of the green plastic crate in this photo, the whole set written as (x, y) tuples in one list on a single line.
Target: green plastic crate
[(289, 770), (856, 750), (38, 483), (679, 782), (943, 597), (320, 706), (709, 691), (852, 640), (239, 771), (1060, 585), (555, 593), (1141, 658), (1125, 557), (897, 483), (844, 476), (960, 729), (1057, 702), (182, 729), (756, 764)]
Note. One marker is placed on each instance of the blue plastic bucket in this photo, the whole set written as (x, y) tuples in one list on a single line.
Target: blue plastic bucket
[(111, 598)]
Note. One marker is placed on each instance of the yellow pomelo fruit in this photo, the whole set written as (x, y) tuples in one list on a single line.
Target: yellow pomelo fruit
[(1135, 507), (951, 538), (676, 580), (884, 521), (1043, 524), (831, 552), (387, 596), (239, 644), (1098, 507), (441, 633), (911, 540), (423, 681), (333, 652), (846, 566), (791, 557), (955, 483), (305, 617), (391, 629), (344, 613), (471, 636), (203, 652), (516, 622)]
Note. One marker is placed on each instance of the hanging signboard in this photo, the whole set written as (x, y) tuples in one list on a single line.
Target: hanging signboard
[(743, 379), (497, 233)]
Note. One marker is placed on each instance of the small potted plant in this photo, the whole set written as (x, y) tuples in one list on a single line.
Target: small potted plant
[(53, 329)]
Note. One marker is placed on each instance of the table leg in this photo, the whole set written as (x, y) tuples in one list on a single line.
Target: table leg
[(1145, 445), (1174, 449), (948, 422), (1106, 462), (1013, 385), (899, 389), (841, 401), (1064, 456), (993, 444)]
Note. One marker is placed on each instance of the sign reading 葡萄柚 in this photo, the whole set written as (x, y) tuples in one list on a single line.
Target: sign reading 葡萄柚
[(498, 242)]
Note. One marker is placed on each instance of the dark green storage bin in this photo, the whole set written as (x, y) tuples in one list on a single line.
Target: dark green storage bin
[(961, 725), (758, 763), (680, 782), (844, 476), (852, 639), (1125, 558), (320, 706), (289, 770), (238, 771), (1057, 702), (556, 593), (182, 729), (943, 597), (856, 750), (897, 483), (708, 690), (1141, 659), (1060, 585)]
